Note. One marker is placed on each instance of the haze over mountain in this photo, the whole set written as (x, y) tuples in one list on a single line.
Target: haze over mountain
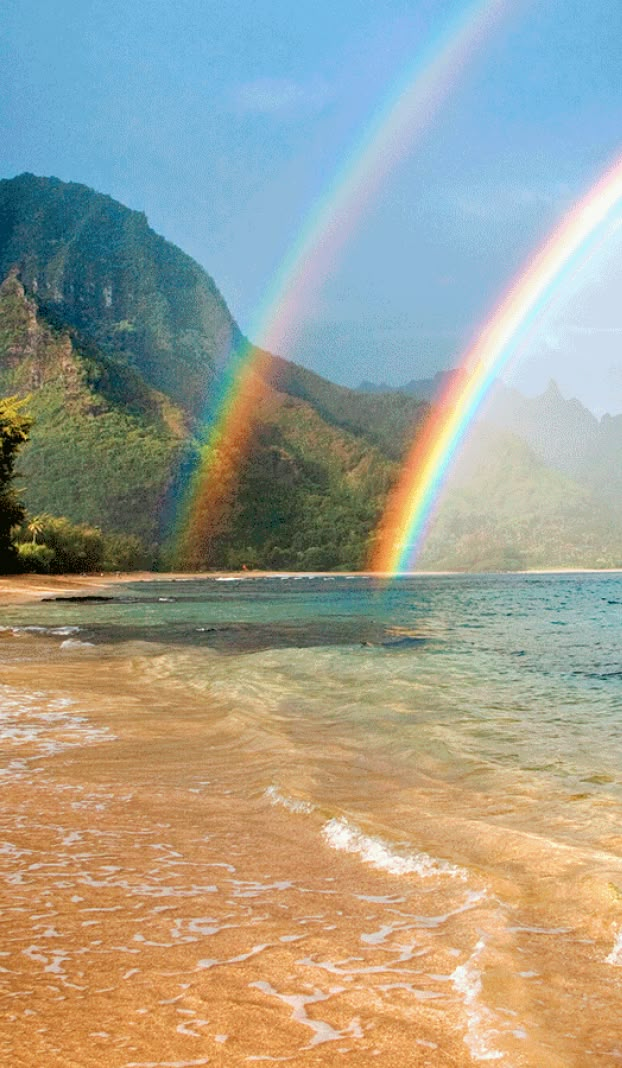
[(425, 388), (116, 337)]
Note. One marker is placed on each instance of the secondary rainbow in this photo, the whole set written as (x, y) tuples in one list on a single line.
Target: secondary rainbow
[(390, 134), (411, 505)]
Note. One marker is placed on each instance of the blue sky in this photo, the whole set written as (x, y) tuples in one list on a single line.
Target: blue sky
[(223, 121)]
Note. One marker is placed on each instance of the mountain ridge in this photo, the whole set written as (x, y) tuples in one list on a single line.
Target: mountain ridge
[(117, 437), (111, 446), (100, 268)]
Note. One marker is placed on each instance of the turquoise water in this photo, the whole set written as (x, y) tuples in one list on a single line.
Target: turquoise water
[(524, 672)]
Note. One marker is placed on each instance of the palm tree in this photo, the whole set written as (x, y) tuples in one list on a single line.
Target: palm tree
[(36, 525)]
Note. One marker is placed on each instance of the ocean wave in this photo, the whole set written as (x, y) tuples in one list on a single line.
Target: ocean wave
[(60, 632), (74, 643), (292, 804), (348, 838)]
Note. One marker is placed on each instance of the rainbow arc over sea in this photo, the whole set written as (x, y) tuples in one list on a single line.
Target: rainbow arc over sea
[(241, 387), (411, 505)]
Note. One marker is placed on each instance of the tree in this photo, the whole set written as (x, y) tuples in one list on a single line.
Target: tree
[(14, 428), (36, 525)]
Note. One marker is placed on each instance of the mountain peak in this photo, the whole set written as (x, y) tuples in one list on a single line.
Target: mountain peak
[(552, 391), (99, 268)]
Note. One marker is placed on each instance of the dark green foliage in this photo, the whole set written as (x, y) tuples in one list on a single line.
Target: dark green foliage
[(103, 446), (14, 428), (387, 420), (98, 267), (307, 496), (52, 544), (34, 558), (73, 548), (107, 469)]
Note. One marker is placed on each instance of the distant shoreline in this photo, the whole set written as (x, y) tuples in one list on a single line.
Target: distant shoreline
[(21, 589)]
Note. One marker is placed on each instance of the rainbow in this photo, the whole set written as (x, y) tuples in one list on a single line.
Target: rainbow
[(237, 396), (412, 502)]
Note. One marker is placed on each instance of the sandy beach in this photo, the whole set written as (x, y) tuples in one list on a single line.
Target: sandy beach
[(295, 822), (16, 589)]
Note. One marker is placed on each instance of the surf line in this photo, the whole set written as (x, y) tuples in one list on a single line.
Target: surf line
[(242, 390), (412, 503)]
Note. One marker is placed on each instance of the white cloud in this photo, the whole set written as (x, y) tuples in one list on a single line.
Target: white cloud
[(280, 96)]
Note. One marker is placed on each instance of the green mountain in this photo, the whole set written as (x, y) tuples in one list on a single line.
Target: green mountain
[(424, 388), (538, 483), (97, 267), (103, 445), (115, 336)]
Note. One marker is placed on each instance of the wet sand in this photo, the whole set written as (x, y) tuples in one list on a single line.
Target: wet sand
[(20, 589), (151, 918)]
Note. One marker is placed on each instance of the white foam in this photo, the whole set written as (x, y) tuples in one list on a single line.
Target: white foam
[(615, 957), (467, 981), (36, 629), (292, 804), (74, 643), (348, 838), (188, 1027), (212, 963), (45, 723), (322, 1031)]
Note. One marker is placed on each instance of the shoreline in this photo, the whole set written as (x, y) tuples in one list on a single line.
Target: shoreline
[(23, 589), (185, 832)]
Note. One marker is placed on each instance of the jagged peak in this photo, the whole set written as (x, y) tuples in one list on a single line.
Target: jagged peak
[(552, 391)]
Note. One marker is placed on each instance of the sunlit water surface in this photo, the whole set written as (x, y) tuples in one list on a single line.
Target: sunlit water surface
[(307, 820)]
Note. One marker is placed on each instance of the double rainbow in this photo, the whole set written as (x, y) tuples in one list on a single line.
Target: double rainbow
[(237, 395), (412, 502)]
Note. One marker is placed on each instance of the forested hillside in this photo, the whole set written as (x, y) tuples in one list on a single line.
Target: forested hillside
[(97, 267), (114, 337), (103, 445)]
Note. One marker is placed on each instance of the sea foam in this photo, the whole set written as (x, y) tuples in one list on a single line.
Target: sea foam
[(33, 628), (615, 957), (467, 982), (292, 804), (348, 838)]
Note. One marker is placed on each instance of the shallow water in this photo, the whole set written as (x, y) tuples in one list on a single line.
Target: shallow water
[(306, 820)]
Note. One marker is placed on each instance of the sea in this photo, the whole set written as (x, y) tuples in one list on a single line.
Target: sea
[(313, 820)]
